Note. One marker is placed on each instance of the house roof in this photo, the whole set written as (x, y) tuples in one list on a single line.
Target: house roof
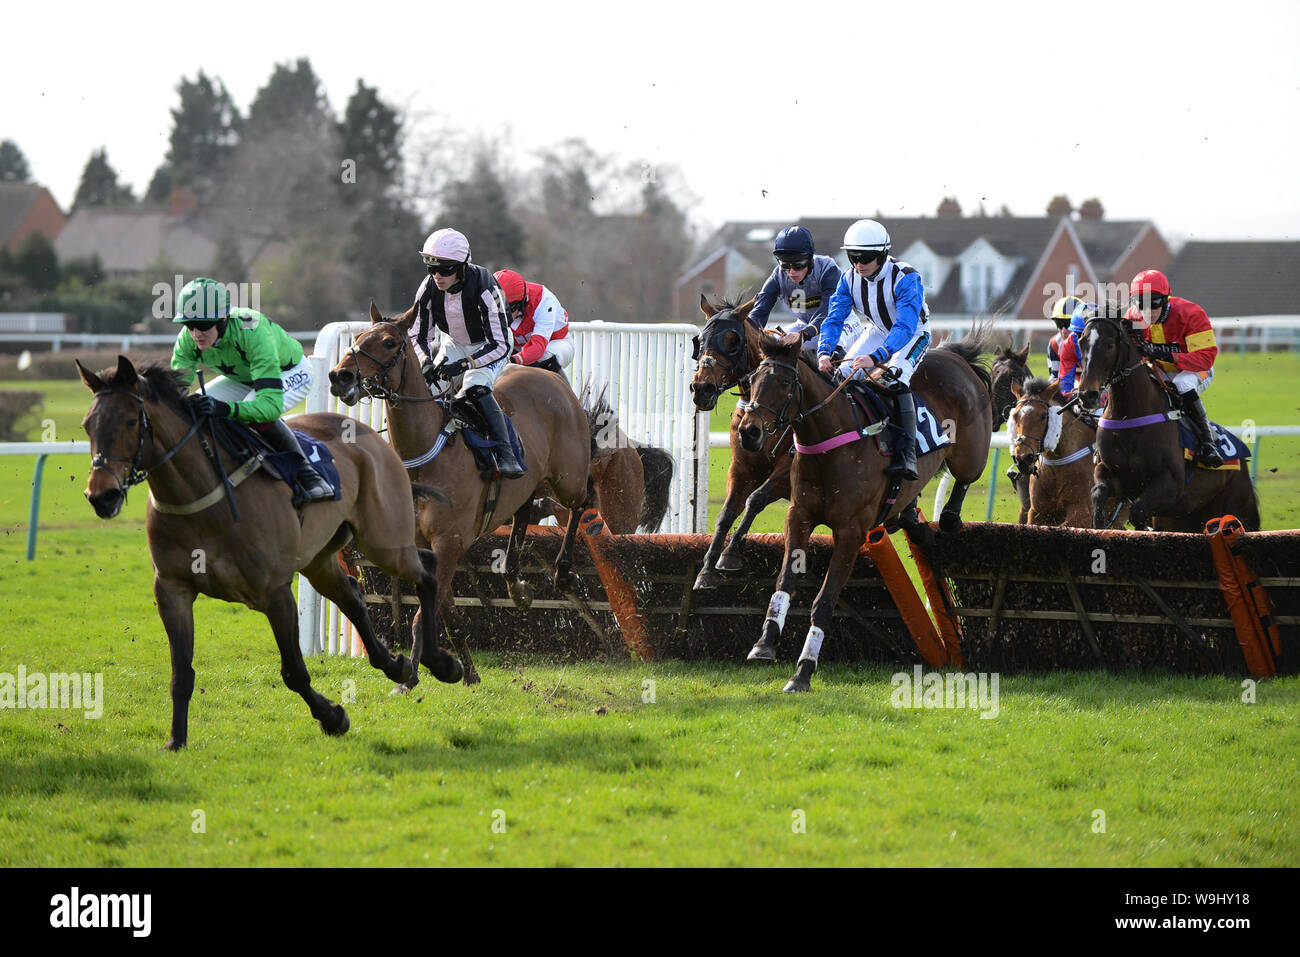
[(16, 201), (130, 239), (1238, 278), (1106, 241)]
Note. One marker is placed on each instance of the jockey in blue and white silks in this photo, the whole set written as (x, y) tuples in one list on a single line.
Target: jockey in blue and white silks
[(805, 282), (891, 297)]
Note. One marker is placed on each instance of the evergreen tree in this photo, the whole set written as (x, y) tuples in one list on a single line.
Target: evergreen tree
[(478, 207), (370, 138), (37, 263), (99, 186), (205, 129), (290, 95), (160, 187), (13, 164)]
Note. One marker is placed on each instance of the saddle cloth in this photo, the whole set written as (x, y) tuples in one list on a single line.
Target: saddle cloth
[(240, 440), (929, 432), (478, 441), (1231, 449)]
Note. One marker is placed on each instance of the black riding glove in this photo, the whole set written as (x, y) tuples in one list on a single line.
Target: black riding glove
[(428, 370), (449, 370), (205, 405)]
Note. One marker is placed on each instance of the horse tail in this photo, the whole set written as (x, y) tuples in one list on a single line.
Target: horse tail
[(420, 491), (657, 465), (972, 347)]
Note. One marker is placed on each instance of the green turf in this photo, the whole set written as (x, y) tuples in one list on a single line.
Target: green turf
[(570, 762)]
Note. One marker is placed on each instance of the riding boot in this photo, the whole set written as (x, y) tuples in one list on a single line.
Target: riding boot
[(904, 461), (1208, 453), (486, 404), (281, 439)]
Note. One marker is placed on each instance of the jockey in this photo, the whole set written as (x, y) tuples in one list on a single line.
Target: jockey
[(263, 373), (1180, 346), (1062, 313), (1070, 354), (538, 321), (464, 304), (891, 296), (805, 282)]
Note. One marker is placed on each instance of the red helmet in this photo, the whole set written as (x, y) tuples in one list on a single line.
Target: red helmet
[(1149, 281), (512, 284)]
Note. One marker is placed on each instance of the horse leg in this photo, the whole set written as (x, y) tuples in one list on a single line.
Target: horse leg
[(950, 518), (564, 580), (848, 541), (521, 593), (1103, 487), (282, 611), (776, 486), (330, 580), (738, 488), (798, 528), (176, 608), (447, 557), (1157, 497), (424, 633), (1024, 492)]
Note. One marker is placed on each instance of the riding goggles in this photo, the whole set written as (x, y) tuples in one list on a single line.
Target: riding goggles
[(864, 257), (201, 326), (793, 265), (1155, 300), (441, 267)]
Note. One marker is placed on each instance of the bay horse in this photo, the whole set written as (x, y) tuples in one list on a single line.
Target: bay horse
[(728, 355), (1009, 368), (1141, 455), (141, 429), (845, 486), (557, 436), (1053, 444)]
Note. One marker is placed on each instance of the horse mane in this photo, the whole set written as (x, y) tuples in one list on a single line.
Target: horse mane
[(972, 347), (727, 303), (1036, 386), (771, 348), (161, 383)]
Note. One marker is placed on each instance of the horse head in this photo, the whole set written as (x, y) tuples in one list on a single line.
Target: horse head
[(723, 351), (377, 352), (1009, 367), (776, 393), (1106, 354), (1034, 423)]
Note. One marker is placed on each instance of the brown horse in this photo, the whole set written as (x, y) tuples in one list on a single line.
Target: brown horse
[(633, 480), (557, 437), (1141, 456), (845, 486), (729, 353), (1053, 446), (1009, 368), (141, 427)]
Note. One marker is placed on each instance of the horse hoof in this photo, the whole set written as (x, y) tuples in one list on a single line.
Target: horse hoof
[(341, 728), (728, 563), (521, 593), (761, 652), (950, 522), (173, 745), (453, 674), (564, 581), (405, 687), (707, 578), (796, 686), (405, 669), (471, 676)]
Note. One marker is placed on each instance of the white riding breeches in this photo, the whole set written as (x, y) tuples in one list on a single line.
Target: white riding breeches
[(905, 360), (296, 383), (449, 350)]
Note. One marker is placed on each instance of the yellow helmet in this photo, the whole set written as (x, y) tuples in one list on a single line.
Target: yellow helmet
[(1063, 310)]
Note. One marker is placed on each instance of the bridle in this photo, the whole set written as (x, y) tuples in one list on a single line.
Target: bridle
[(780, 419), (374, 385), (712, 359), (1041, 455), (1116, 374), (135, 475)]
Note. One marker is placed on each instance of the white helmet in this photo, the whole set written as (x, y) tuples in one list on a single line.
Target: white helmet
[(866, 234), (446, 244)]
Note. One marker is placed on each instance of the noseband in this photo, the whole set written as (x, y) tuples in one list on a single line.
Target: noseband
[(1116, 374), (135, 475), (373, 385)]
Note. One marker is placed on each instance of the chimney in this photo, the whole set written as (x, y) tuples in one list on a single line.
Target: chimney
[(182, 202), (1091, 209), (949, 208)]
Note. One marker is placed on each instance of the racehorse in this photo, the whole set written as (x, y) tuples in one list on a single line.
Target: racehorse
[(633, 479), (1053, 444), (729, 353), (1141, 456), (142, 428), (840, 481), (1011, 367), (557, 436)]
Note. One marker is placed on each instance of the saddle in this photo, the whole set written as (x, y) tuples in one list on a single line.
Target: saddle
[(244, 444), (877, 405), (465, 418)]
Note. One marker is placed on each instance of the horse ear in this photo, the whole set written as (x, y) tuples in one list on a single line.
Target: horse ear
[(1053, 391), (743, 311), (405, 319), (126, 374), (1024, 353), (707, 307), (93, 382), (374, 313), (1016, 390)]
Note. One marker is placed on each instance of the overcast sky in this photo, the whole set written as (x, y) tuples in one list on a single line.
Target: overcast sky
[(1188, 114)]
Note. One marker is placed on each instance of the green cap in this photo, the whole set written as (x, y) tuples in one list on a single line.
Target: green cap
[(202, 300)]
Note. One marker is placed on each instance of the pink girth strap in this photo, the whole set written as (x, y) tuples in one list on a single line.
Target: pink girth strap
[(834, 442)]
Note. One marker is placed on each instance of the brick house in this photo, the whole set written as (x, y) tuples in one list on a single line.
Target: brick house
[(27, 208), (1009, 265), (1246, 278)]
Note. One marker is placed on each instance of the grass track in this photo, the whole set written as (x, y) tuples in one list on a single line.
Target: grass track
[(712, 772)]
